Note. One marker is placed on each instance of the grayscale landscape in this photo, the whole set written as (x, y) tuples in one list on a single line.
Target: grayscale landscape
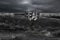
[(29, 19)]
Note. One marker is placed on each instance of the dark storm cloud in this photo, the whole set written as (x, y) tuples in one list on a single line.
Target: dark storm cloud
[(22, 5), (48, 5), (7, 1)]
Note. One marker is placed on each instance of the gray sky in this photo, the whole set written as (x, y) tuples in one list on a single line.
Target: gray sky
[(22, 5)]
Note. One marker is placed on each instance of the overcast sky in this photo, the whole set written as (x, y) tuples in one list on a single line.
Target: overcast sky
[(22, 5)]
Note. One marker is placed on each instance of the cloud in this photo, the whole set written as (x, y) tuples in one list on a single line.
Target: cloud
[(18, 5)]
